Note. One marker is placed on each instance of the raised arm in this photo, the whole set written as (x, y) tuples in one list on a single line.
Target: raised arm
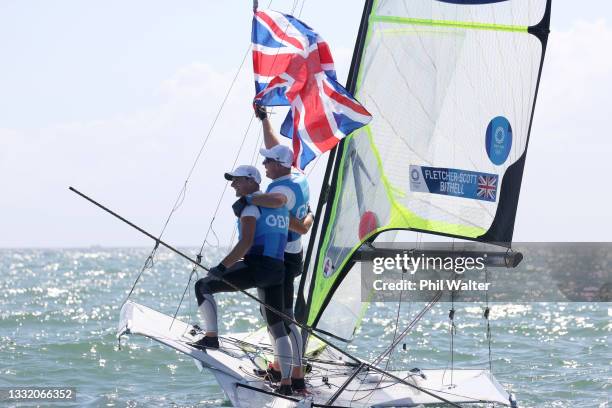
[(270, 136)]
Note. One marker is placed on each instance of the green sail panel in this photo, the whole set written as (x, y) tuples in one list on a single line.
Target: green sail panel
[(452, 87)]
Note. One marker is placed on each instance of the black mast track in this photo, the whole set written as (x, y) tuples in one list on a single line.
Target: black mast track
[(301, 307), (328, 190)]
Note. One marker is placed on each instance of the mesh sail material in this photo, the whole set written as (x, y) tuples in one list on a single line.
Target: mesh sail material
[(344, 313), (451, 85)]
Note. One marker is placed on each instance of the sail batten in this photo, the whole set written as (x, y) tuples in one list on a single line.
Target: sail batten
[(448, 23), (452, 86)]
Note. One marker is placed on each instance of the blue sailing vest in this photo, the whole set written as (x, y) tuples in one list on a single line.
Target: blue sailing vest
[(299, 186), (270, 232)]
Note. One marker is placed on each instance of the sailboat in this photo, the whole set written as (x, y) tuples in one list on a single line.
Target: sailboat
[(452, 87)]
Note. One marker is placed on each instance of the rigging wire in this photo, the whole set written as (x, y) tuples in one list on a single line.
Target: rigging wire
[(486, 316), (408, 328), (148, 264), (402, 335), (183, 191), (255, 5), (453, 327), (227, 184), (258, 145), (452, 330), (181, 198), (411, 325), (399, 306), (199, 255), (397, 340), (260, 139)]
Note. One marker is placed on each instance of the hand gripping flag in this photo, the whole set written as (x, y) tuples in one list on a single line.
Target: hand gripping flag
[(293, 66)]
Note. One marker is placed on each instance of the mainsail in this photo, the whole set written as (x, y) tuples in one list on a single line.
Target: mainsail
[(452, 86)]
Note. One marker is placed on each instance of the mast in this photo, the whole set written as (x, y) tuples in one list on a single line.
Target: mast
[(328, 189)]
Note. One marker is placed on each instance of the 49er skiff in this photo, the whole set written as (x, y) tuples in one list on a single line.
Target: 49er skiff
[(333, 380), (452, 86)]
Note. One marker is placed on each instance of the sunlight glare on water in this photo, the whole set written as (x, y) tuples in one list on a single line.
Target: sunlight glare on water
[(59, 310)]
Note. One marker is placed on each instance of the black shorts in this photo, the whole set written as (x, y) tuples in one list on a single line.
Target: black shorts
[(294, 265), (260, 272)]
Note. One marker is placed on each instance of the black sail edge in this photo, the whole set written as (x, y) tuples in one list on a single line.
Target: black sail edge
[(502, 227), (328, 189)]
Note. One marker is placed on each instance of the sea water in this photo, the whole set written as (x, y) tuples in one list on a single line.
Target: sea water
[(59, 311)]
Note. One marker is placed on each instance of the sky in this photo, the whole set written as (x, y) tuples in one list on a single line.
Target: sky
[(116, 98)]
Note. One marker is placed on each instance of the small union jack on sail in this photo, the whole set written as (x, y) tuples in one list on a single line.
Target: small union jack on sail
[(487, 187), (293, 66)]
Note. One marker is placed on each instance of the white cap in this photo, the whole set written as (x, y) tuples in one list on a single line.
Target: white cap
[(280, 153), (244, 171)]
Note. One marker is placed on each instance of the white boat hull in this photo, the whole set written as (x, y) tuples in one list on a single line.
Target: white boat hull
[(234, 364)]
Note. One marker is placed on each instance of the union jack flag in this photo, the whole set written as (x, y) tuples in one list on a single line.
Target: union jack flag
[(293, 66), (487, 187)]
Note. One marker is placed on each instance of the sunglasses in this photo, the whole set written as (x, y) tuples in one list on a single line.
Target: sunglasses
[(269, 160)]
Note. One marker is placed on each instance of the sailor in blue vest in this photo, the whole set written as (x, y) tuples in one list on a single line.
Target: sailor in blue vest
[(291, 190), (256, 261)]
